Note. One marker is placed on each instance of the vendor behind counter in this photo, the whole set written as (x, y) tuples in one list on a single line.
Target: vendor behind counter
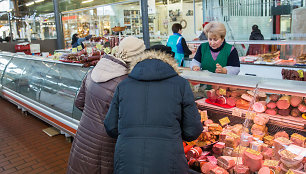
[(216, 55)]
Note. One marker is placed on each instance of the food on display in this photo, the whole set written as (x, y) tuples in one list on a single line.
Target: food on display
[(301, 59), (298, 75), (270, 57)]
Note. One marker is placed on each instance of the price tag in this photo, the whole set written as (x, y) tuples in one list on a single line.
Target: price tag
[(250, 115), (237, 112), (204, 116), (301, 73), (99, 46), (271, 163), (290, 172), (107, 50), (222, 91), (304, 116), (253, 151), (74, 50), (79, 47), (224, 121)]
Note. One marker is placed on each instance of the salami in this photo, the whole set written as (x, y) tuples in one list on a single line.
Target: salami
[(302, 107), (295, 112), (221, 100), (295, 101), (271, 111), (231, 101), (284, 112), (271, 105), (274, 97), (283, 102)]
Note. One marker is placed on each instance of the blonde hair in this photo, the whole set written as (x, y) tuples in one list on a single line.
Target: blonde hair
[(215, 28)]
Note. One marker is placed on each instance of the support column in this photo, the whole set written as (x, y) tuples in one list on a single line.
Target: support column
[(145, 22), (59, 25), (11, 32)]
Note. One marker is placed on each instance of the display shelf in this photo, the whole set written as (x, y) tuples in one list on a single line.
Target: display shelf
[(297, 123), (266, 42), (269, 85)]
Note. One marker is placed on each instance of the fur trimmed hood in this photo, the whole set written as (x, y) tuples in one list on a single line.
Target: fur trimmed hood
[(153, 65)]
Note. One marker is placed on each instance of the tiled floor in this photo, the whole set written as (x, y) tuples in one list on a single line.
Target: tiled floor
[(25, 148)]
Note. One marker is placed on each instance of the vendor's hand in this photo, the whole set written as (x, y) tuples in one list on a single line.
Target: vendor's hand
[(195, 68), (220, 69)]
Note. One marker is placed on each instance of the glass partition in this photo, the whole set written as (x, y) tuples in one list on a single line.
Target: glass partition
[(52, 84)]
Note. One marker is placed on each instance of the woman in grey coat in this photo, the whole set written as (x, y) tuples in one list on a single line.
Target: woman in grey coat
[(92, 150)]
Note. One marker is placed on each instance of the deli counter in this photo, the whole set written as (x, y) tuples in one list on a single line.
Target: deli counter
[(45, 88)]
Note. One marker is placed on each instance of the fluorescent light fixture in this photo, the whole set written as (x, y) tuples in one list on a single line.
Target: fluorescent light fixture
[(29, 3), (37, 1), (83, 2)]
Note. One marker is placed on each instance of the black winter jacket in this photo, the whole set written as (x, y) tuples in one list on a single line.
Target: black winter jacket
[(256, 35), (152, 111)]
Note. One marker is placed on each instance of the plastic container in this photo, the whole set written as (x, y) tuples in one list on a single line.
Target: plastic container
[(291, 163), (286, 170)]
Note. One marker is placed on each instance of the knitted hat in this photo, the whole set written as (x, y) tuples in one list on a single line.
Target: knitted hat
[(129, 48)]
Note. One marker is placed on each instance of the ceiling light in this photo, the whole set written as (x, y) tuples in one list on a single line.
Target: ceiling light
[(29, 3), (37, 1), (83, 2)]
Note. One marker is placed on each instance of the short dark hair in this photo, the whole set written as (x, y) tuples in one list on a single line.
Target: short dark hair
[(176, 27), (255, 27)]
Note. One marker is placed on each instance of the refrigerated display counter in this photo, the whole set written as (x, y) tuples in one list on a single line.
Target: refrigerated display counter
[(45, 88)]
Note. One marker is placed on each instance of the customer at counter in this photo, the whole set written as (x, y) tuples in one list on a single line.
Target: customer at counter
[(152, 112), (92, 150), (76, 41), (216, 55)]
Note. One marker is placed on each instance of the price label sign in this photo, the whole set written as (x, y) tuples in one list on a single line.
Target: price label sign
[(79, 47), (290, 172), (254, 152), (237, 112), (204, 115), (250, 115), (224, 121), (99, 46), (74, 50), (301, 73)]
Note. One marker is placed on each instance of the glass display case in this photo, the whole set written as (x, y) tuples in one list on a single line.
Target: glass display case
[(233, 96), (45, 88), (266, 58)]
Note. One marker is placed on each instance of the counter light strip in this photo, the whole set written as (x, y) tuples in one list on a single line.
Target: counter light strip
[(64, 126)]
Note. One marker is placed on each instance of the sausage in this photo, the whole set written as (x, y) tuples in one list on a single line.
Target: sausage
[(221, 100), (271, 105), (302, 107), (274, 97), (295, 112), (247, 97), (231, 101), (271, 111), (284, 112), (295, 101), (283, 102)]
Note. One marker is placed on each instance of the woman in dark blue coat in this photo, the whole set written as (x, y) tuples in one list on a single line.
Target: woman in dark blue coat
[(152, 112)]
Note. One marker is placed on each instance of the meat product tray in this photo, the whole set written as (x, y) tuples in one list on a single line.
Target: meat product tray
[(217, 104), (70, 61)]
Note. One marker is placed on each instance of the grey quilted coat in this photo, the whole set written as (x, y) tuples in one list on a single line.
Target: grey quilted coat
[(92, 150)]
